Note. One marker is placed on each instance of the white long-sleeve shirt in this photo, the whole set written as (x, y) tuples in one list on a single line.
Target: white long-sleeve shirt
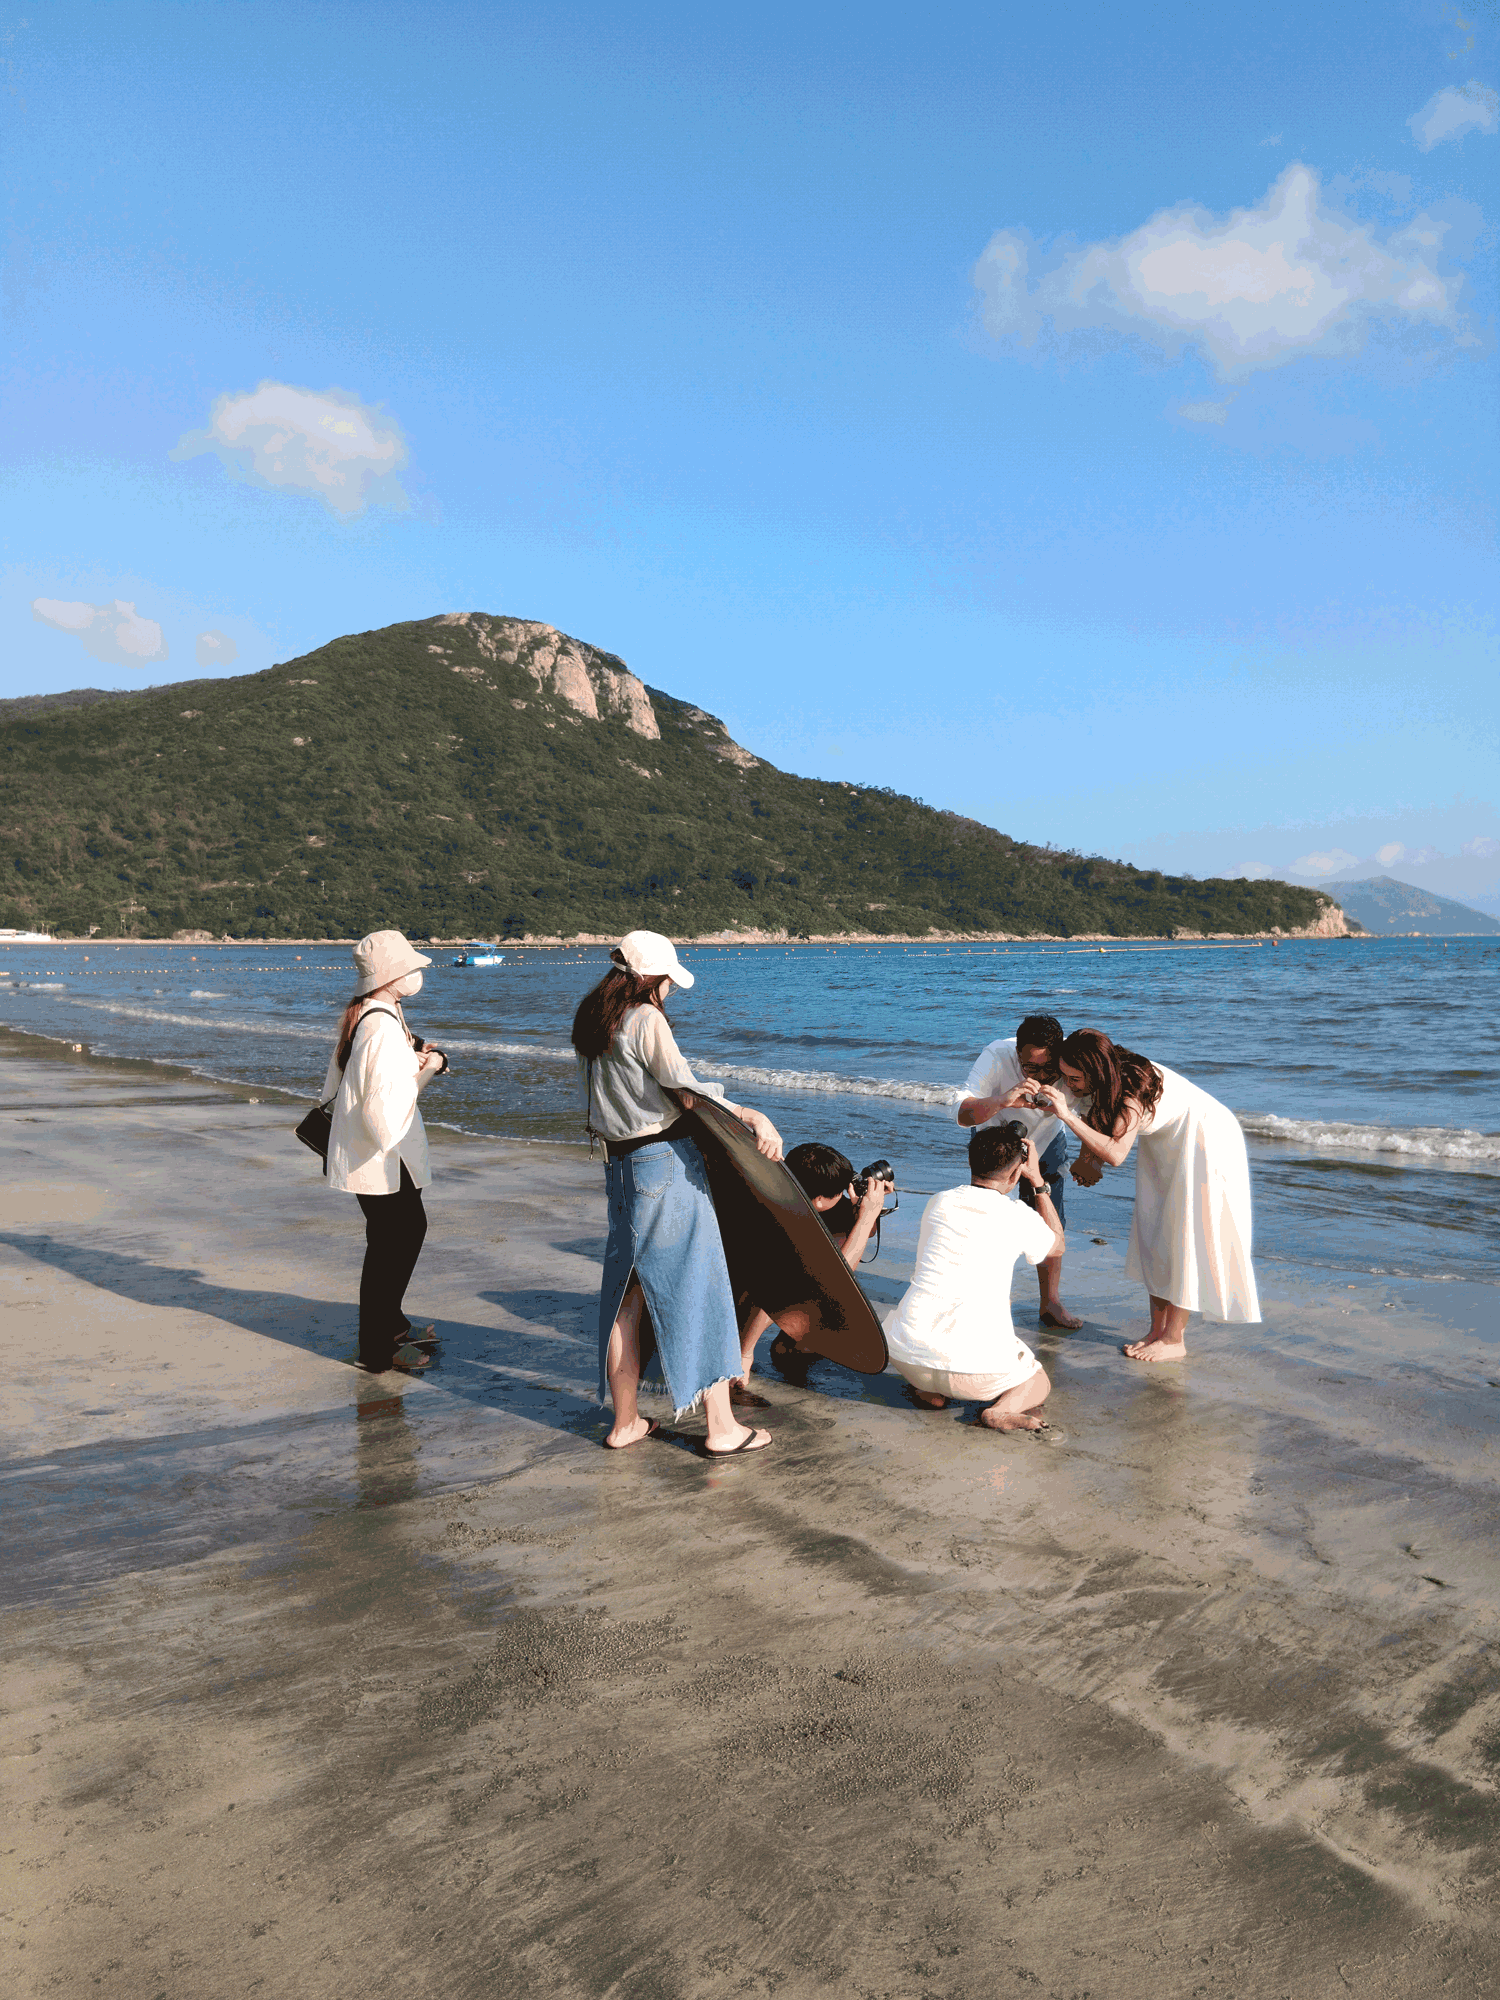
[(628, 1099), (376, 1124)]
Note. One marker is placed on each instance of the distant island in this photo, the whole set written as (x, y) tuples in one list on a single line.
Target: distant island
[(1388, 908), (486, 776)]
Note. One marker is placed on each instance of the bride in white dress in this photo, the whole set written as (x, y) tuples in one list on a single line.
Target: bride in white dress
[(1190, 1237)]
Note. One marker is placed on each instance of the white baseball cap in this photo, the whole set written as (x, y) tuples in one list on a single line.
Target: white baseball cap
[(648, 954), (382, 957)]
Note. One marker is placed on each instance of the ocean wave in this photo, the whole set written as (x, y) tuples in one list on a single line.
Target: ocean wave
[(1419, 1142), (215, 1024), (830, 1083), (822, 1082), (206, 993)]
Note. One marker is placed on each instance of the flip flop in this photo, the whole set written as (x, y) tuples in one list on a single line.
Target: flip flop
[(701, 1447), (422, 1336), (408, 1360), (650, 1431)]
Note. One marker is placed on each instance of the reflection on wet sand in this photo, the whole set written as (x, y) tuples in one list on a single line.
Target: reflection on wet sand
[(385, 1452)]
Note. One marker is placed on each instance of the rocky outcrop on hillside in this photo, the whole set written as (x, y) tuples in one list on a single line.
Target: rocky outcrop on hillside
[(591, 683), (1332, 923)]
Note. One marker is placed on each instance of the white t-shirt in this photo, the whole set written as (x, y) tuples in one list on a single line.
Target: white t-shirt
[(956, 1311), (997, 1070)]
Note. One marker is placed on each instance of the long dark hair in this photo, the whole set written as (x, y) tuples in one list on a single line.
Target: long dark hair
[(1115, 1076), (600, 1012)]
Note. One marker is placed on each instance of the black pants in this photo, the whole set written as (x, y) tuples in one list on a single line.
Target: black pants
[(395, 1229)]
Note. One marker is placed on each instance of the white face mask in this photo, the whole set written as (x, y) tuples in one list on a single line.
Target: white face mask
[(405, 988)]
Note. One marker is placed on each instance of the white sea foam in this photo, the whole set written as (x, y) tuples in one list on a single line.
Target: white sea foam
[(829, 1083), (1414, 1142), (217, 1023), (206, 993)]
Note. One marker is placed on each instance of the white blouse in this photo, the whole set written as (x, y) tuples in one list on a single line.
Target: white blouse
[(376, 1124), (627, 1099)]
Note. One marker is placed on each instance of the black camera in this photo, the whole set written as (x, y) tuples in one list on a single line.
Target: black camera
[(1014, 1125), (878, 1170)]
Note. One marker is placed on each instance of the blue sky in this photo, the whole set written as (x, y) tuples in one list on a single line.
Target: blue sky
[(1084, 422)]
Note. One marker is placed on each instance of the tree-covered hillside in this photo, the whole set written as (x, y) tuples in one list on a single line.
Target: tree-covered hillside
[(489, 776)]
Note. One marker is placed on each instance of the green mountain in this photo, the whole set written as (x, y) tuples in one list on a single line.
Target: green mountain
[(1389, 908), (488, 776)]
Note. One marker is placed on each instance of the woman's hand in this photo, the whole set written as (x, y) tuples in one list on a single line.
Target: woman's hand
[(767, 1138), (1051, 1095)]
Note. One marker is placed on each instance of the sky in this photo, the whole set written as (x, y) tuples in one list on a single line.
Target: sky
[(1086, 422)]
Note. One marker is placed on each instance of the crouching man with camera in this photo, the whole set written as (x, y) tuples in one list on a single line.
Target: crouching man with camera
[(951, 1335), (850, 1206)]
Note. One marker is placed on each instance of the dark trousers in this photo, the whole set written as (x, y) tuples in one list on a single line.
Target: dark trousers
[(1051, 1163), (395, 1229)]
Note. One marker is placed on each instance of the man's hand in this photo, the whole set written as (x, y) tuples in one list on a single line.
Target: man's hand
[(1087, 1169), (872, 1201), (1031, 1167)]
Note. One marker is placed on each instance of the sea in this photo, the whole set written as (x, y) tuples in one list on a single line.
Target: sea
[(1365, 1074)]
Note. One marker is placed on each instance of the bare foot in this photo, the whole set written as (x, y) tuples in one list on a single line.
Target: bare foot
[(720, 1447), (1155, 1350), (926, 1398), (629, 1434), (1010, 1420), (1055, 1313)]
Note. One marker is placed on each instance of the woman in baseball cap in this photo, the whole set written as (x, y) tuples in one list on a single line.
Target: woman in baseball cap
[(377, 1150), (664, 1251)]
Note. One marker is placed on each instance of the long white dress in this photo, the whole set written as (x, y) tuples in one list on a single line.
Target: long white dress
[(1190, 1238)]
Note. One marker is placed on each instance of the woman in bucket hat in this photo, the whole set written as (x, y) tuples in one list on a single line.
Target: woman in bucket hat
[(664, 1252), (377, 1150)]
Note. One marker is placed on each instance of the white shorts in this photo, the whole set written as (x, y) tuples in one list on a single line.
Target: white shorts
[(970, 1388)]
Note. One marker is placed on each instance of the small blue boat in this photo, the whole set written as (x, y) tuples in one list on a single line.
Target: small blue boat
[(480, 954)]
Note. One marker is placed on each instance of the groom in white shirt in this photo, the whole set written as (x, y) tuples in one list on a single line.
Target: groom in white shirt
[(1001, 1086)]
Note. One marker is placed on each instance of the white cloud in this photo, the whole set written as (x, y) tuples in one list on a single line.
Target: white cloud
[(216, 649), (1252, 290), (1204, 413), (1481, 849), (1318, 865), (1390, 854), (114, 632), (1469, 107), (328, 444)]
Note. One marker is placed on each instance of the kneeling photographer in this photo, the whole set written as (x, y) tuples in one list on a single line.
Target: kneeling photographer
[(849, 1205)]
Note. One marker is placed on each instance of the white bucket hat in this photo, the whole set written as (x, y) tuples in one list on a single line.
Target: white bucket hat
[(648, 954), (382, 957)]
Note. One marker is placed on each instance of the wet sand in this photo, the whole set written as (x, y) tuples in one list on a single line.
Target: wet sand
[(324, 1684)]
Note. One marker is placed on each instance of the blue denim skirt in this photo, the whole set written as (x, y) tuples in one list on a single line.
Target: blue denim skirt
[(663, 1227)]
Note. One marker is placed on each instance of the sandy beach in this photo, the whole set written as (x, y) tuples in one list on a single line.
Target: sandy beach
[(324, 1684)]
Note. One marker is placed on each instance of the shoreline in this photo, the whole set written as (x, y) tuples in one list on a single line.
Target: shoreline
[(786, 941)]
